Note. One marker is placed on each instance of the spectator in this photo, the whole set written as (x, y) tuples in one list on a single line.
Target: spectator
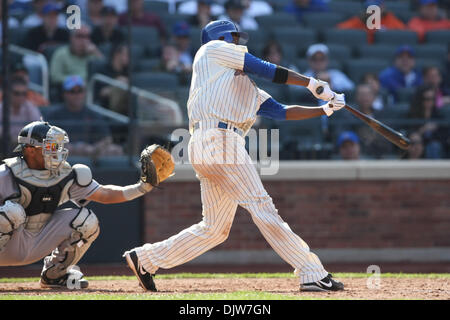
[(302, 7), (89, 134), (203, 14), (432, 76), (403, 72), (22, 111), (193, 7), (423, 107), (257, 8), (388, 21), (141, 18), (372, 80), (37, 18), (416, 148), (74, 57), (273, 52), (94, 13), (117, 68), (171, 61), (182, 40), (47, 34), (107, 31), (235, 13), (318, 58), (365, 98), (429, 19), (348, 145), (371, 143), (18, 70)]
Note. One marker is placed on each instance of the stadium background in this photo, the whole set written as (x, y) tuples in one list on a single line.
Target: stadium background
[(387, 211)]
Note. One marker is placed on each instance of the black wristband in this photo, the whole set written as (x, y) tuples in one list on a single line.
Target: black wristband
[(281, 75)]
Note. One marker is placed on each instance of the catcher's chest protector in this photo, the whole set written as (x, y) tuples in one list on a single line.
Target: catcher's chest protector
[(39, 191)]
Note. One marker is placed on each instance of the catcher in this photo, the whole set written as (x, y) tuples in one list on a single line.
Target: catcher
[(33, 186)]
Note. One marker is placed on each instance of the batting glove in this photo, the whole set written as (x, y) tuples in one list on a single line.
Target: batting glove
[(320, 89), (337, 103)]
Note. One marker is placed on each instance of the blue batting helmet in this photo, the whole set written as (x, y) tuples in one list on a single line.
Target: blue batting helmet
[(221, 28)]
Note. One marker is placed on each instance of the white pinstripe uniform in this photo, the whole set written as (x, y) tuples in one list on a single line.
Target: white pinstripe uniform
[(219, 92)]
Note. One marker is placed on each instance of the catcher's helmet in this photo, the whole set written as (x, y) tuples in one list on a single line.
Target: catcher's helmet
[(50, 138), (222, 28)]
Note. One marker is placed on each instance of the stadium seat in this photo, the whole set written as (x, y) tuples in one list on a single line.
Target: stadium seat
[(405, 16), (115, 162), (345, 37), (81, 160), (279, 19), (17, 35), (397, 111), (195, 34), (322, 20), (155, 80), (148, 64), (279, 5), (297, 36), (95, 66), (303, 65), (438, 36), (422, 63), (404, 95), (142, 35), (377, 51), (396, 37), (157, 7), (431, 50), (396, 6), (358, 67), (346, 8), (257, 37), (170, 19), (50, 50), (339, 52)]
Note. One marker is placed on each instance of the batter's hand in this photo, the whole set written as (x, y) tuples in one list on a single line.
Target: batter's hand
[(324, 93), (335, 104)]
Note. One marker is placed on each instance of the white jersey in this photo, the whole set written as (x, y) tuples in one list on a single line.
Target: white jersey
[(219, 90)]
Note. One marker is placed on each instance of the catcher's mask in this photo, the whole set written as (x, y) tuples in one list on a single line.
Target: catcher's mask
[(50, 138)]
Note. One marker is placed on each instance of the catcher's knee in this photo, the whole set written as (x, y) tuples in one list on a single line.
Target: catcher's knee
[(86, 224), (12, 216)]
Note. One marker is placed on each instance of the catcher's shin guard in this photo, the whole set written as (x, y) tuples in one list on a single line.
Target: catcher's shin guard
[(69, 252)]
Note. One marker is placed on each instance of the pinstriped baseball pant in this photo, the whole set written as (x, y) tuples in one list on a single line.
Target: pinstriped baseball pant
[(228, 179)]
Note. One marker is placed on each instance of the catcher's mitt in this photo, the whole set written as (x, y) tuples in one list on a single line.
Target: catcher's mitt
[(156, 164)]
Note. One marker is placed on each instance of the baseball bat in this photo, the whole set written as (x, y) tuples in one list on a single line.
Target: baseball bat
[(388, 133)]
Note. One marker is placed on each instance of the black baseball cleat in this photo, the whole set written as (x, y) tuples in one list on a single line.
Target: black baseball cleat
[(326, 284), (144, 277), (73, 279)]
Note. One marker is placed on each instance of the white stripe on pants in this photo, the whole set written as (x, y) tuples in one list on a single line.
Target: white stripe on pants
[(228, 179)]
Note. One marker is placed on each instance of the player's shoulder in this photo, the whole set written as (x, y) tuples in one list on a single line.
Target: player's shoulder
[(83, 174), (223, 45)]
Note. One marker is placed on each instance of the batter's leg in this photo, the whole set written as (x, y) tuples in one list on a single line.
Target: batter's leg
[(242, 182), (218, 214)]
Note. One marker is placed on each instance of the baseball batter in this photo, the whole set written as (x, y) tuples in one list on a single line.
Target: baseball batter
[(223, 105), (33, 186)]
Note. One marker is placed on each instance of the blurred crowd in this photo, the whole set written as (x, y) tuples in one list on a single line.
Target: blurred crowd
[(400, 74)]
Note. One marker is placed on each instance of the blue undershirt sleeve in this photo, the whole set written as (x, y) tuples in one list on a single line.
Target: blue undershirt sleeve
[(272, 109), (259, 67)]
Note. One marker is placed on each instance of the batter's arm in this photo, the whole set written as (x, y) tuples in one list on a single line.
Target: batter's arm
[(295, 112)]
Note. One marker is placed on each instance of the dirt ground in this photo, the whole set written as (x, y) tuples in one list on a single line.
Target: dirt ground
[(355, 288)]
